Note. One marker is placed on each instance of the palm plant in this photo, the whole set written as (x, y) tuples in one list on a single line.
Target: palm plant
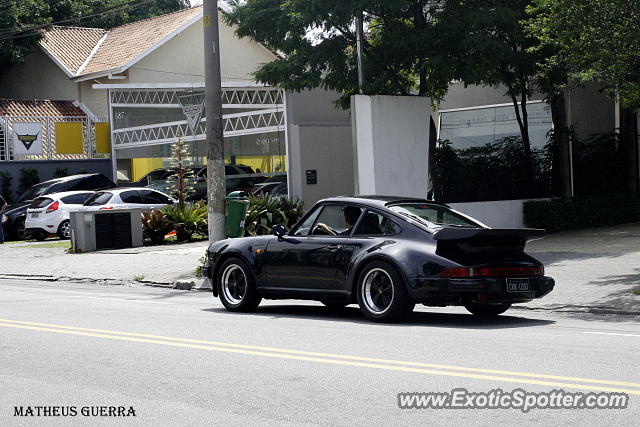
[(265, 211)]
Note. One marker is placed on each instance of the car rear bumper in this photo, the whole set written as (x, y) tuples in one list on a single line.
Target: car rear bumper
[(462, 291)]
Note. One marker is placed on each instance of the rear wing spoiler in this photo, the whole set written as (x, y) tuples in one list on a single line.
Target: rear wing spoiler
[(453, 233)]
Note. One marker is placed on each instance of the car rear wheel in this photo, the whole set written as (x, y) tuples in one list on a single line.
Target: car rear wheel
[(488, 310), (64, 230), (382, 295), (236, 286)]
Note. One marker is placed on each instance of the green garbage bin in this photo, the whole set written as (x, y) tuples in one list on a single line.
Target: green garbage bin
[(237, 206)]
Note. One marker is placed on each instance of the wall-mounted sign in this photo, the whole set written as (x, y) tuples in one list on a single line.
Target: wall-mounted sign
[(27, 138), (193, 107), (312, 176)]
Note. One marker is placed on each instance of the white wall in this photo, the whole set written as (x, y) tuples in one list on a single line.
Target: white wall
[(181, 59), (391, 144), (325, 149), (38, 78), (495, 214)]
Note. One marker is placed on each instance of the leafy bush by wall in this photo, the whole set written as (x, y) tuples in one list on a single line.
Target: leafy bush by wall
[(583, 212), (265, 212)]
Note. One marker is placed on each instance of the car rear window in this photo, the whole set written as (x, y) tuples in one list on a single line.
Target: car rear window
[(76, 199), (433, 215), (98, 199), (40, 202)]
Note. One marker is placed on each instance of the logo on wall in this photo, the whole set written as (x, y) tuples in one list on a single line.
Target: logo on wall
[(192, 107), (27, 138)]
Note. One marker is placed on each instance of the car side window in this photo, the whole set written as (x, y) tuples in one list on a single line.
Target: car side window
[(76, 199), (152, 197), (305, 228), (131, 196), (375, 224), (336, 220)]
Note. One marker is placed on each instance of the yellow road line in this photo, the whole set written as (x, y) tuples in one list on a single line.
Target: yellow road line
[(337, 356), (287, 354)]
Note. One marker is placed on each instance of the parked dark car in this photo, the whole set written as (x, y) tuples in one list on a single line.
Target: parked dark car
[(238, 178), (276, 184), (17, 212), (384, 253)]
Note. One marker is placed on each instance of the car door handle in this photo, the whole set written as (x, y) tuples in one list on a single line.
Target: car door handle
[(334, 248)]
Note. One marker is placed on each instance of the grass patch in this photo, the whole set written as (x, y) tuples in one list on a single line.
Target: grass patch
[(65, 244), (138, 278), (636, 291)]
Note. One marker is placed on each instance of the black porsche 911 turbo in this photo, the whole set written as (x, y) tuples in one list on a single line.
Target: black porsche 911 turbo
[(386, 254)]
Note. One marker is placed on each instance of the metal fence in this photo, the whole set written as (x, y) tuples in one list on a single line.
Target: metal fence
[(49, 147)]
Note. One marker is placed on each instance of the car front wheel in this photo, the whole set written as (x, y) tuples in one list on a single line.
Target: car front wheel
[(236, 286), (488, 310), (382, 295)]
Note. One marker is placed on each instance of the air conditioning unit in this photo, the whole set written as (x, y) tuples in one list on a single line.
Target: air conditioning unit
[(99, 230)]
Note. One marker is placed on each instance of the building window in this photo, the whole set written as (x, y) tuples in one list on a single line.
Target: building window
[(481, 156)]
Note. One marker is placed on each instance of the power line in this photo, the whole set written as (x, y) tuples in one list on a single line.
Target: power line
[(28, 31)]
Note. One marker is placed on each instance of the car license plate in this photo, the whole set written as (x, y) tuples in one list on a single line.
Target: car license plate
[(35, 215), (518, 285)]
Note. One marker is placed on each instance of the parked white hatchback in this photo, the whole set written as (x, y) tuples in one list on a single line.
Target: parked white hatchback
[(50, 214), (128, 197)]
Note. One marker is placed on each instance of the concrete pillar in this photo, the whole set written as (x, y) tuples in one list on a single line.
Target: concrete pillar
[(391, 144)]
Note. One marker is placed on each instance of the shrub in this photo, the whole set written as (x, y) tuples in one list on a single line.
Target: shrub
[(60, 172), (582, 212), (5, 186), (28, 178), (188, 218), (266, 211), (155, 225)]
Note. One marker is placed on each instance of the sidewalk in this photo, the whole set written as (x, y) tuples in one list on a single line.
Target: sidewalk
[(596, 270), (159, 265)]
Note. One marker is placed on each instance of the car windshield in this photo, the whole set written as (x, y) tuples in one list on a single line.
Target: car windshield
[(434, 215), (33, 192)]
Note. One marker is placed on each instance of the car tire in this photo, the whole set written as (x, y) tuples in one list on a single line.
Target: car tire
[(488, 310), (236, 286), (19, 230), (64, 230), (382, 295), (39, 235)]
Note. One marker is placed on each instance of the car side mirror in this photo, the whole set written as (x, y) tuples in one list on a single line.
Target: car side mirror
[(279, 230)]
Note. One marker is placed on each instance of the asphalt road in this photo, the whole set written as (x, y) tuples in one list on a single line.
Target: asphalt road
[(178, 358)]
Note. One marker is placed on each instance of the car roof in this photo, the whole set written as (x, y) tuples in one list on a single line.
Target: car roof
[(64, 194), (379, 201), (68, 178), (122, 189)]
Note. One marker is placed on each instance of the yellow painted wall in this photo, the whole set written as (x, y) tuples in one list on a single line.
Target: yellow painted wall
[(102, 138), (69, 138), (142, 166)]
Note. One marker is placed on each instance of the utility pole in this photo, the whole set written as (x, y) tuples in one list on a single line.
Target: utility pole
[(359, 35), (213, 110)]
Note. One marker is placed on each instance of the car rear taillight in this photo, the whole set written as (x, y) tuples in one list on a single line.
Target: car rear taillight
[(492, 271), (511, 271), (456, 272), (106, 208), (53, 207)]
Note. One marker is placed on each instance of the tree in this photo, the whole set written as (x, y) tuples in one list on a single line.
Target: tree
[(15, 15), (597, 41), (181, 181), (318, 40), (22, 20)]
